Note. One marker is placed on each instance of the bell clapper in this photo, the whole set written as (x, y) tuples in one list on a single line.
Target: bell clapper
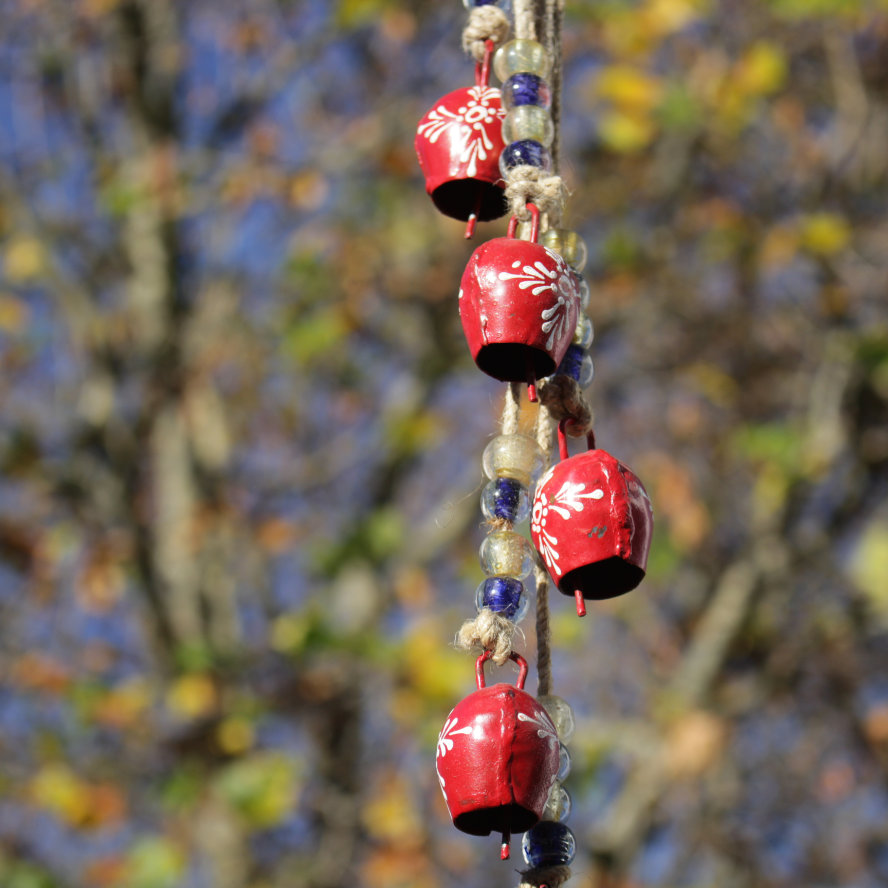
[(581, 603), (531, 382), (505, 851)]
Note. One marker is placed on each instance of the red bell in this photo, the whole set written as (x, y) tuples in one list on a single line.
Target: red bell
[(592, 524), (519, 303), (497, 758), (458, 144)]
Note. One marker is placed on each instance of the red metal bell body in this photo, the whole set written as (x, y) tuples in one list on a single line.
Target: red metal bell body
[(592, 524), (497, 759), (518, 303), (458, 144)]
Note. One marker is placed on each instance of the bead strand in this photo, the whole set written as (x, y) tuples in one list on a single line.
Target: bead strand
[(522, 66), (511, 463), (577, 362), (550, 846)]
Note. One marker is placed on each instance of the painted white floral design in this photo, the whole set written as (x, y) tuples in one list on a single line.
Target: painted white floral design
[(545, 728), (445, 738), (468, 124), (445, 744), (569, 498), (560, 318)]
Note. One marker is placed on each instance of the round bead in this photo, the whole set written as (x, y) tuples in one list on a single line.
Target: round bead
[(561, 714), (584, 290), (521, 57), (503, 595), (506, 554), (528, 122), (549, 843), (526, 152), (558, 804), (587, 372), (512, 456), (563, 763), (585, 332), (562, 240), (505, 498), (572, 362), (526, 89)]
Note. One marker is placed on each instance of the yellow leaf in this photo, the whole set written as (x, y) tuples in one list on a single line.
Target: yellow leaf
[(124, 704), (262, 788), (825, 234), (192, 696), (869, 565), (57, 789), (23, 259), (235, 735), (289, 631), (668, 16), (628, 88), (391, 814), (762, 70), (625, 133)]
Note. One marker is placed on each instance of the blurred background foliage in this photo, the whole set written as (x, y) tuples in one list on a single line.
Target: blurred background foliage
[(241, 434)]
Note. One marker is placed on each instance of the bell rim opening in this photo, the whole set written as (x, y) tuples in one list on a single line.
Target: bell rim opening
[(605, 579), (511, 818), (459, 198), (508, 361)]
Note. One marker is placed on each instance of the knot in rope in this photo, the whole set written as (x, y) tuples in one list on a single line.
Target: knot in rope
[(549, 876), (564, 399), (485, 23), (528, 184), (488, 632)]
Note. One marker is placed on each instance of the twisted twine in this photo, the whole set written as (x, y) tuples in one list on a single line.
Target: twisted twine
[(528, 184), (487, 632), (545, 877), (563, 398), (485, 23)]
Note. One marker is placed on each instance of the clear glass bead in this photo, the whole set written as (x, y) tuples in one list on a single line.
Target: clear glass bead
[(505, 499), (558, 804), (584, 291), (525, 152), (563, 763), (521, 57), (549, 843), (585, 332), (562, 240), (528, 122), (587, 372), (561, 714), (506, 554), (526, 89), (503, 595), (512, 456)]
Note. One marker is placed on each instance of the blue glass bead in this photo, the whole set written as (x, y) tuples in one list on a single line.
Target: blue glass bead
[(572, 361), (563, 763), (503, 595), (507, 499), (525, 152), (526, 89), (470, 3), (549, 843)]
